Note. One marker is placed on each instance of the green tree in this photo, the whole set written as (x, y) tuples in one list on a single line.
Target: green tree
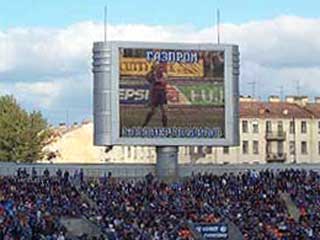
[(22, 135)]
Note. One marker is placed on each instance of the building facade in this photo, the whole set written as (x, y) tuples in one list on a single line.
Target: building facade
[(273, 131)]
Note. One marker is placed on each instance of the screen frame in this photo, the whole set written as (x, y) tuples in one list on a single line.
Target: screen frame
[(230, 90)]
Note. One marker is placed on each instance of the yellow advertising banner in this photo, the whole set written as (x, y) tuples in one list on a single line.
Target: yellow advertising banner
[(140, 67)]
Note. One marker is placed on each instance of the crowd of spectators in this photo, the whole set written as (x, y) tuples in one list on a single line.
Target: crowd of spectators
[(304, 189), (151, 209), (31, 207)]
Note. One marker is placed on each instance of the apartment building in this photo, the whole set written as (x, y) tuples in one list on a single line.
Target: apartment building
[(272, 131)]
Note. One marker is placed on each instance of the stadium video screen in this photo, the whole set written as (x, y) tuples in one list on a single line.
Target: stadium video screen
[(171, 93)]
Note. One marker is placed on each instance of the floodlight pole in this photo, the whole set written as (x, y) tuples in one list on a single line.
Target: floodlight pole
[(105, 23), (218, 26), (167, 162)]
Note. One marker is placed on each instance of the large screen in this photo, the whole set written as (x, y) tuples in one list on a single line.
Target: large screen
[(171, 93), (165, 94)]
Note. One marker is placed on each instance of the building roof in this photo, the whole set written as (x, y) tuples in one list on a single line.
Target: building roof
[(259, 109), (314, 109)]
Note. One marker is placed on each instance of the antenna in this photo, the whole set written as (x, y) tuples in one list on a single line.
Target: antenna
[(298, 88), (281, 92), (253, 84), (67, 117), (218, 26), (105, 22)]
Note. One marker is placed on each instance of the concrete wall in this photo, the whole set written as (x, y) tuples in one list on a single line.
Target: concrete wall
[(187, 170), (140, 170), (93, 170)]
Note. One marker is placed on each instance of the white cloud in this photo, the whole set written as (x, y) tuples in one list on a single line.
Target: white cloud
[(282, 42), (42, 94), (39, 88), (43, 66)]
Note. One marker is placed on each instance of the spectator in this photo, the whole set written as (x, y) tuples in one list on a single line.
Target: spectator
[(150, 209), (34, 173), (46, 173)]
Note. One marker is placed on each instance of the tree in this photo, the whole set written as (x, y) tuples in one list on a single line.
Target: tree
[(22, 135)]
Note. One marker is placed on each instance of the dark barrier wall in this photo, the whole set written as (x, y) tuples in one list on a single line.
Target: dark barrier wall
[(140, 170)]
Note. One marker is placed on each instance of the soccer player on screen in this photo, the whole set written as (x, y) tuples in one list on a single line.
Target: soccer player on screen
[(158, 92)]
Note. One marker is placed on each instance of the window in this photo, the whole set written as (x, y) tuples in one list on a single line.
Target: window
[(280, 127), (255, 127), (245, 126), (292, 147), (268, 148), (245, 147), (186, 151), (280, 147), (134, 152), (209, 150), (268, 127), (292, 127), (303, 127), (255, 147), (319, 148), (129, 152), (225, 150), (192, 150), (304, 149)]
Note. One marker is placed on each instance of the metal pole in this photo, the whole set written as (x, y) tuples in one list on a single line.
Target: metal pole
[(167, 162), (281, 93), (218, 26), (253, 84), (105, 22), (67, 118)]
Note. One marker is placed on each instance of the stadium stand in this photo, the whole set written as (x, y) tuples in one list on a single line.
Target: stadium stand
[(32, 206)]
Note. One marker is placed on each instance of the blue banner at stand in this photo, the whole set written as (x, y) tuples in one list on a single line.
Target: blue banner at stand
[(213, 231)]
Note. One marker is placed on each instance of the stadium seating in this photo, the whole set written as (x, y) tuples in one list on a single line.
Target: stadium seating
[(31, 206)]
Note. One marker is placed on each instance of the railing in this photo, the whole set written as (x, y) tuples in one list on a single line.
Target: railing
[(93, 170), (276, 157), (278, 135), (138, 171)]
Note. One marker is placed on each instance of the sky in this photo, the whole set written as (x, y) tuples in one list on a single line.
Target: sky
[(45, 46)]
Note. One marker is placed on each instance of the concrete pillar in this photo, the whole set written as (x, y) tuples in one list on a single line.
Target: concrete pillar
[(167, 162)]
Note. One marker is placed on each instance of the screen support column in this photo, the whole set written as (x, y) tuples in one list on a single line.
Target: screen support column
[(167, 162)]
